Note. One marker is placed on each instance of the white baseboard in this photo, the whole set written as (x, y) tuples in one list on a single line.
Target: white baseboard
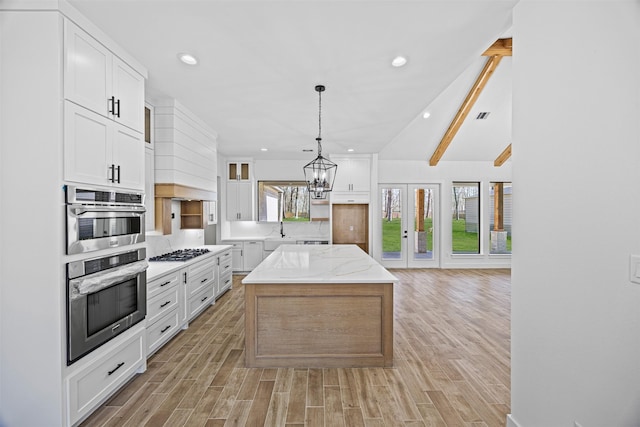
[(511, 422)]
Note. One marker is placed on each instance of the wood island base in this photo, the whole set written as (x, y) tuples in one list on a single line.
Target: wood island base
[(319, 325)]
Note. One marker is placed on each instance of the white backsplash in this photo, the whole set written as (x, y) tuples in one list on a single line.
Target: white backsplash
[(158, 244), (240, 229)]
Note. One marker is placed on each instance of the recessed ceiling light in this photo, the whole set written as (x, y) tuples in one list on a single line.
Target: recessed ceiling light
[(351, 150), (187, 58), (399, 61), (264, 149), (426, 115)]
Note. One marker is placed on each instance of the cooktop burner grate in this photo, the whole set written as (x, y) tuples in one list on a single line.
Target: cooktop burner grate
[(180, 255)]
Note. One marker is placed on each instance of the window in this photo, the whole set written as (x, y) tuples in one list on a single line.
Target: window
[(465, 210), (283, 200), (500, 218)]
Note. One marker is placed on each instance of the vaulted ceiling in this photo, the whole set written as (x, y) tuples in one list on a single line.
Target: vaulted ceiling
[(259, 62)]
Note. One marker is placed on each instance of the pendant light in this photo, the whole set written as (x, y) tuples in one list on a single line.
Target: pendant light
[(320, 172)]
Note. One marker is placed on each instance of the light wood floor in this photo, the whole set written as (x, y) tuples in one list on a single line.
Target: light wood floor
[(451, 367)]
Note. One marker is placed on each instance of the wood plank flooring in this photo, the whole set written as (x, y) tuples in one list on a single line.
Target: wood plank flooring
[(451, 367)]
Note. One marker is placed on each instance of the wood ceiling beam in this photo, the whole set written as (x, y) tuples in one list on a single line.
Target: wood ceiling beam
[(502, 47), (503, 157), (461, 115)]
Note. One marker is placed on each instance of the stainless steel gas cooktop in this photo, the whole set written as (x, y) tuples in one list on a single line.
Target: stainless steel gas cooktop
[(180, 255)]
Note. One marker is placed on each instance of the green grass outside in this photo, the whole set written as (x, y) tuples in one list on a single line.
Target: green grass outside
[(392, 233), (294, 219), (462, 241)]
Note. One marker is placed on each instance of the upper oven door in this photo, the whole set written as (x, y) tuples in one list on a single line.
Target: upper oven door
[(90, 228)]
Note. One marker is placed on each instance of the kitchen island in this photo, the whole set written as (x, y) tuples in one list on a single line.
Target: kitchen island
[(319, 306)]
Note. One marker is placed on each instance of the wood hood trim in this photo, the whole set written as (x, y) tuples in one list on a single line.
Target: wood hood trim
[(177, 191)]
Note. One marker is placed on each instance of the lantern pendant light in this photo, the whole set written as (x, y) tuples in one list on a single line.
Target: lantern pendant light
[(320, 172)]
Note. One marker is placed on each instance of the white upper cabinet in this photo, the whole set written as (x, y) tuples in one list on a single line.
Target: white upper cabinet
[(99, 151), (98, 80), (353, 174)]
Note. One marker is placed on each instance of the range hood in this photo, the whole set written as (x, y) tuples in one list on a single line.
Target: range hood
[(183, 192)]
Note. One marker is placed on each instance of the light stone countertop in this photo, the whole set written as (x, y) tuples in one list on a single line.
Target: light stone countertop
[(319, 264)]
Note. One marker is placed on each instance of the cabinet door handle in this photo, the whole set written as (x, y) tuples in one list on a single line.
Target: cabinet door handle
[(117, 103), (204, 280), (185, 277), (120, 365), (165, 329), (165, 304), (165, 283), (118, 169), (111, 173), (204, 299), (111, 102)]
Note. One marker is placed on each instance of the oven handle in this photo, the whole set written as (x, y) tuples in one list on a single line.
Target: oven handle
[(131, 210), (95, 282)]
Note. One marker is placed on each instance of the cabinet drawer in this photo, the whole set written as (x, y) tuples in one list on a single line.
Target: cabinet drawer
[(350, 197), (225, 256), (226, 265), (91, 385), (161, 304), (161, 284), (225, 283), (199, 301), (199, 282), (200, 266), (162, 330)]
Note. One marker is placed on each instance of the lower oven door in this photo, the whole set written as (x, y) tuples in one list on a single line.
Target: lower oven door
[(90, 228), (102, 306)]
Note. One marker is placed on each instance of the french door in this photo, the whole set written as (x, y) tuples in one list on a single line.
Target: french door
[(409, 222)]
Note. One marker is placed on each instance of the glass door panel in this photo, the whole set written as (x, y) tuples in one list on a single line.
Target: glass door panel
[(409, 225), (394, 242)]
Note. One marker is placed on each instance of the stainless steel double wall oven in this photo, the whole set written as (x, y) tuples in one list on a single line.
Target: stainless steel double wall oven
[(106, 291)]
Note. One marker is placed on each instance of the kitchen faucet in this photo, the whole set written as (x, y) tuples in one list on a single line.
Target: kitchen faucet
[(281, 229)]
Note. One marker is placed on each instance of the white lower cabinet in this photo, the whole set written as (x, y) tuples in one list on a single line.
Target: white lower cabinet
[(164, 320), (95, 377), (224, 274), (246, 254), (200, 301), (163, 329)]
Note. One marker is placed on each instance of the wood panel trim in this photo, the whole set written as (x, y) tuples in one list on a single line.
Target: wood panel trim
[(503, 157), (461, 115), (177, 191), (322, 357), (502, 47)]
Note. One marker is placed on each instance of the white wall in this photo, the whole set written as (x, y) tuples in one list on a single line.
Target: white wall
[(576, 169), (32, 278), (444, 174)]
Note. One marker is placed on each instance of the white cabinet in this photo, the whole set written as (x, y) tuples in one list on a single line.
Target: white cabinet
[(239, 201), (246, 255), (354, 174), (96, 377), (224, 273), (100, 81), (252, 255), (239, 171), (99, 151), (200, 284), (164, 300), (210, 211)]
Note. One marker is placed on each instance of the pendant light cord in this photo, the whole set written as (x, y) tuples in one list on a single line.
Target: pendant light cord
[(319, 138)]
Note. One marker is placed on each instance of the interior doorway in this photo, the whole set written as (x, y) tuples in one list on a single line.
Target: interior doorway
[(410, 225), (350, 224)]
